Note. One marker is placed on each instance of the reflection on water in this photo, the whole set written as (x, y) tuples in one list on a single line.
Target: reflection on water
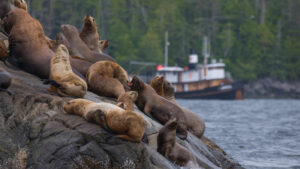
[(257, 133)]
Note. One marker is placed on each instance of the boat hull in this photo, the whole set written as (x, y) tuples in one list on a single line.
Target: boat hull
[(232, 91)]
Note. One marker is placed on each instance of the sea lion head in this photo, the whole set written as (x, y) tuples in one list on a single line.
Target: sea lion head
[(62, 51), (20, 4), (75, 106), (61, 39), (103, 44), (127, 98), (168, 89), (157, 83), (69, 31), (9, 20), (136, 84), (89, 21)]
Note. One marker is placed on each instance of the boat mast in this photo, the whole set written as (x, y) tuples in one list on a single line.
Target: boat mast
[(206, 53), (167, 44)]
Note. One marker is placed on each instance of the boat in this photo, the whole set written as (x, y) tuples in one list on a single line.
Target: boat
[(202, 81)]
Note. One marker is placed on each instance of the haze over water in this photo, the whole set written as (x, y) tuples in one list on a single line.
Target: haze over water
[(259, 134)]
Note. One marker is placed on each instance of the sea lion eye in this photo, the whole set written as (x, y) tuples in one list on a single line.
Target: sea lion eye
[(93, 20)]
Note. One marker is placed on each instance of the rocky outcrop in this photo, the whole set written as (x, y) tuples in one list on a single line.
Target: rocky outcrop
[(36, 133), (272, 88)]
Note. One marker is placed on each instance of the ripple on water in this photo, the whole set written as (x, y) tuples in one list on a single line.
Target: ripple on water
[(258, 133)]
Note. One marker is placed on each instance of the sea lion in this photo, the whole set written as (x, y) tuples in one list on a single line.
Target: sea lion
[(78, 48), (69, 84), (195, 124), (4, 8), (158, 107), (89, 34), (167, 146), (5, 80), (20, 4), (126, 124), (28, 49), (107, 78), (103, 44), (126, 100), (79, 64)]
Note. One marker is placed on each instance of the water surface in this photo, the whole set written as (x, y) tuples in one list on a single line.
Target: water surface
[(259, 134)]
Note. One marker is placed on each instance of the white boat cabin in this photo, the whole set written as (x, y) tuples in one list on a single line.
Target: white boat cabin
[(213, 71)]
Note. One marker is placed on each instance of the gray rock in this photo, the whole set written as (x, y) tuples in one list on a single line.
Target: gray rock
[(272, 88), (36, 133)]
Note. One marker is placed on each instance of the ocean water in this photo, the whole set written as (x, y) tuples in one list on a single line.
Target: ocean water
[(259, 134)]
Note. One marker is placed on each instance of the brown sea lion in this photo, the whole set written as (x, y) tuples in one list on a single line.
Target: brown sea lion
[(5, 80), (69, 84), (126, 100), (20, 4), (89, 34), (158, 107), (4, 8), (167, 146), (195, 124), (126, 124), (28, 49), (78, 48), (107, 78)]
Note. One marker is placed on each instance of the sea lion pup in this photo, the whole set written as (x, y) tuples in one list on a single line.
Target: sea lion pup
[(20, 4), (107, 78), (78, 48), (103, 44), (69, 84), (5, 81), (126, 124), (167, 146), (158, 107), (28, 49), (195, 123), (89, 34), (126, 100)]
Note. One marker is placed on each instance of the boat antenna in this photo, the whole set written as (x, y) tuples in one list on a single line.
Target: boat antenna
[(206, 52), (167, 44)]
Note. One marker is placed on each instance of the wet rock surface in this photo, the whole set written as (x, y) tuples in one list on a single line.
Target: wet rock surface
[(36, 133)]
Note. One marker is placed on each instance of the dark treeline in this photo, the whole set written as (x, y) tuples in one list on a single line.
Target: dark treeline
[(256, 38)]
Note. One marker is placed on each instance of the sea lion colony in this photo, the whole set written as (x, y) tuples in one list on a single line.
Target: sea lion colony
[(75, 62)]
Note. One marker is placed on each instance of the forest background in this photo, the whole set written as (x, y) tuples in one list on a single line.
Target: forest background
[(255, 38)]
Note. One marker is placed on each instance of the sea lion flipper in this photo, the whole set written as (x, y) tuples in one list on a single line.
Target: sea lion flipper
[(11, 64), (125, 137), (7, 91), (147, 110), (52, 89), (51, 82)]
